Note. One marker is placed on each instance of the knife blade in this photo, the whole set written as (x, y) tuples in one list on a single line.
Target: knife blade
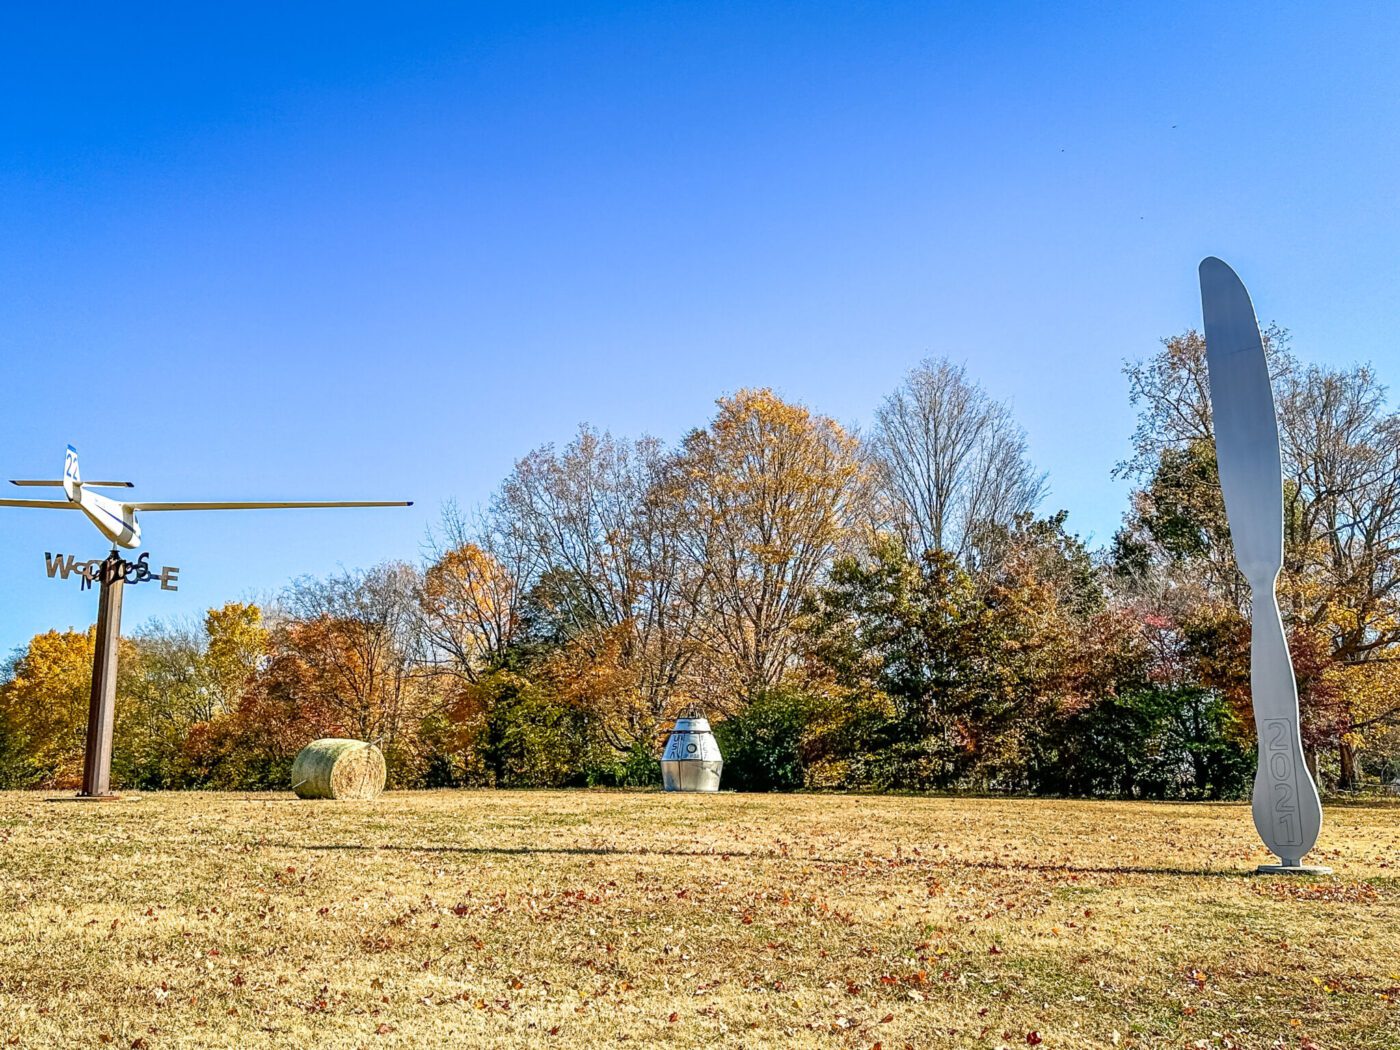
[(1287, 810)]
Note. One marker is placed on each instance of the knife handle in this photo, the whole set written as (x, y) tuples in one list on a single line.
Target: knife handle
[(1287, 810)]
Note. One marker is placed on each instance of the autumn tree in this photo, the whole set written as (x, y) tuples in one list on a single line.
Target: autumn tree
[(1171, 391), (471, 599), (348, 644), (43, 709), (610, 587), (905, 644), (770, 494), (236, 643), (180, 676)]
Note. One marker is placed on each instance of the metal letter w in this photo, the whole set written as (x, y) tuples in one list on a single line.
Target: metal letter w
[(54, 563)]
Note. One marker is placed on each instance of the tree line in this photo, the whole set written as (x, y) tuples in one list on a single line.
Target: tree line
[(885, 610)]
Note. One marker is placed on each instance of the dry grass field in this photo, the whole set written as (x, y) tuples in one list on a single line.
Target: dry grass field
[(589, 919)]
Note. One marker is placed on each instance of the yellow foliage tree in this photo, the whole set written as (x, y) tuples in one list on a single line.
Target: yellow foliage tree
[(471, 608), (238, 644), (772, 492), (594, 673), (44, 708)]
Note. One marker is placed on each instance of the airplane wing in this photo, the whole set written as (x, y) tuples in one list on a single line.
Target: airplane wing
[(260, 506), (89, 484), (52, 504)]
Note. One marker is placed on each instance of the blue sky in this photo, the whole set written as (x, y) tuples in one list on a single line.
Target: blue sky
[(347, 251)]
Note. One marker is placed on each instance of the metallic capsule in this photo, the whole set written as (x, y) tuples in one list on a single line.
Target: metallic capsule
[(691, 761)]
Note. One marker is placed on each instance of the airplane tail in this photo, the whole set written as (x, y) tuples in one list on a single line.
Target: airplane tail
[(72, 480)]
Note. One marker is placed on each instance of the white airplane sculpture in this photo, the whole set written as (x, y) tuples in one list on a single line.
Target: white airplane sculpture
[(116, 519)]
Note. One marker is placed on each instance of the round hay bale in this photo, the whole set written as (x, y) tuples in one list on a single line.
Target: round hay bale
[(333, 768)]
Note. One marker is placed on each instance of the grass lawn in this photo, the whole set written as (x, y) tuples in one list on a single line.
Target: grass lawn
[(557, 919)]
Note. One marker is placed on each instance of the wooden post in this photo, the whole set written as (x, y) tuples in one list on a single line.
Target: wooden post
[(97, 757)]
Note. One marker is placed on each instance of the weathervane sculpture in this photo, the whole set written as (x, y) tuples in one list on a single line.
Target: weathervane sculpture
[(116, 520), (1287, 811)]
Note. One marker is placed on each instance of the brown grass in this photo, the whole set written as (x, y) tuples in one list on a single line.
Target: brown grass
[(594, 919)]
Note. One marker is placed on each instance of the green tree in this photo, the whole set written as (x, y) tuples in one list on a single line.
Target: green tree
[(913, 643), (769, 745), (167, 696)]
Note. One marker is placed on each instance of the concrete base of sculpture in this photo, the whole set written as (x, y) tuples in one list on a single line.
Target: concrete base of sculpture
[(1291, 869)]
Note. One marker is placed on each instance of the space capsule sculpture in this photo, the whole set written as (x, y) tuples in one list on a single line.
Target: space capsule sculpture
[(691, 761)]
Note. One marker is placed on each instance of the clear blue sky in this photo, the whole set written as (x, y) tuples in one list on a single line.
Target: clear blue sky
[(381, 252)]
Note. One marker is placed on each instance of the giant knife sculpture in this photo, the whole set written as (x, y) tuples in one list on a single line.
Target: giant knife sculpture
[(1287, 811)]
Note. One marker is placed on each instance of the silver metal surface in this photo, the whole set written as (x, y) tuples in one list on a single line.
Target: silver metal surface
[(691, 761), (1287, 810)]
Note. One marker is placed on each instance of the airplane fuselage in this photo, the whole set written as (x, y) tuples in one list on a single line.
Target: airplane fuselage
[(113, 520)]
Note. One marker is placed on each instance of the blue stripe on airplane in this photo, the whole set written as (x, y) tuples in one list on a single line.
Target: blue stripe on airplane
[(118, 520)]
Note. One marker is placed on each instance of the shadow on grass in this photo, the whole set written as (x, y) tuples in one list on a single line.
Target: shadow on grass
[(617, 851), (1120, 869)]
